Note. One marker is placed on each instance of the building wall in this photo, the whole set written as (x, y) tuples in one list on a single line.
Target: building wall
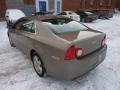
[(107, 4), (11, 4), (74, 5), (71, 5), (29, 2), (118, 4), (83, 4), (88, 4), (2, 8), (29, 7), (51, 4)]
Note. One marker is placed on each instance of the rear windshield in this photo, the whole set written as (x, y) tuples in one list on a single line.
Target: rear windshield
[(63, 25)]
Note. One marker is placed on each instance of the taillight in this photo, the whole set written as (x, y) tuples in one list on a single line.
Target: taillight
[(103, 41), (73, 53)]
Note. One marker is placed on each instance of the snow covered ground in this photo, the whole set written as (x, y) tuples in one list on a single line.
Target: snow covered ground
[(16, 72)]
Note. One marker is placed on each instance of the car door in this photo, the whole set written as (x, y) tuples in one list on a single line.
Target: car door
[(13, 32), (21, 32), (26, 31)]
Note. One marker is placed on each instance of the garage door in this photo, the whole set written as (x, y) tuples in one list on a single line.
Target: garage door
[(2, 8)]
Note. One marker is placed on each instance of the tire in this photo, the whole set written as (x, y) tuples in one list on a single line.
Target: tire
[(38, 65)]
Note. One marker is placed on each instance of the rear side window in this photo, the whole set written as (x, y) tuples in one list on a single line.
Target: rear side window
[(64, 25)]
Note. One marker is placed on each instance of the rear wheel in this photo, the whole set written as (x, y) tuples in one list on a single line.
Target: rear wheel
[(38, 64)]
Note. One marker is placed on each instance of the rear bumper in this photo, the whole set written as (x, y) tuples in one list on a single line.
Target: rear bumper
[(69, 70)]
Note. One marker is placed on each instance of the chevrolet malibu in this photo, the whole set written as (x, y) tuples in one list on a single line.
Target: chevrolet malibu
[(58, 46)]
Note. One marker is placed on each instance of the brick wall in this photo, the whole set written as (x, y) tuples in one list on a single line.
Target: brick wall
[(71, 5), (14, 4), (88, 4), (29, 2), (2, 8), (118, 4)]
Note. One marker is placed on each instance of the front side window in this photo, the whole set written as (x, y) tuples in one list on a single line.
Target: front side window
[(19, 23), (29, 27), (25, 25), (63, 25)]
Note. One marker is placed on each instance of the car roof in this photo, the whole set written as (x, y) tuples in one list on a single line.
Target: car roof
[(41, 18)]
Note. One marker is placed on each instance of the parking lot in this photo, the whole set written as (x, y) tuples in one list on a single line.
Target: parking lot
[(17, 73)]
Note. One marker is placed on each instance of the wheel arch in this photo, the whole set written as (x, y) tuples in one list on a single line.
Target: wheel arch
[(31, 53), (35, 51)]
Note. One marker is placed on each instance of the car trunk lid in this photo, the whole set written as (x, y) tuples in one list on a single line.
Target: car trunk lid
[(88, 40)]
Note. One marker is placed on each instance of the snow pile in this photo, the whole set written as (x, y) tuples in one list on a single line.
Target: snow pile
[(16, 72), (15, 14)]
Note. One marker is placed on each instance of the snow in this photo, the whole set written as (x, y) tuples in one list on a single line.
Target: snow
[(17, 73), (14, 14)]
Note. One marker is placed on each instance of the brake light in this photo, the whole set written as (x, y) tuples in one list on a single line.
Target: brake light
[(73, 52), (104, 41)]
